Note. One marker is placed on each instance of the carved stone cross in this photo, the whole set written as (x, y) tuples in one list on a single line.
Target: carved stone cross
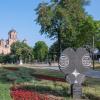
[(76, 65)]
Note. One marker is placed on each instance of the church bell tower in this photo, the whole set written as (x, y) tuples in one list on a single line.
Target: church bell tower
[(12, 34)]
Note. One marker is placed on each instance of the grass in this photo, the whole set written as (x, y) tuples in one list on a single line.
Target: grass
[(48, 72), (91, 87), (50, 87), (4, 91)]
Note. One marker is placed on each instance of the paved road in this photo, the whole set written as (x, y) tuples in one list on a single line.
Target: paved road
[(93, 74)]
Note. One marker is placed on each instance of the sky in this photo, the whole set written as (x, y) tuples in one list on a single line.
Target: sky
[(20, 15)]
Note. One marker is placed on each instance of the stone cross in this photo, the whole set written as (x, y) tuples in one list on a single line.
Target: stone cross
[(76, 65)]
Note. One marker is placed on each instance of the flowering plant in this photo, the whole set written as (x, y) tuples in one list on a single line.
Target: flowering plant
[(18, 94), (50, 78)]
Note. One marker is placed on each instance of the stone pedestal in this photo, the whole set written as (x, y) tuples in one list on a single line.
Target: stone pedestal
[(77, 91)]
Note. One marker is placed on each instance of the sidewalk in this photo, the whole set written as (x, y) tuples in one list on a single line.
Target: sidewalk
[(46, 65)]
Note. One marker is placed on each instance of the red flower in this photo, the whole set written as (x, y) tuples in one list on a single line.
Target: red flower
[(26, 95), (50, 78)]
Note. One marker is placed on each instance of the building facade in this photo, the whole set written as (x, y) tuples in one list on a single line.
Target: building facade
[(6, 44)]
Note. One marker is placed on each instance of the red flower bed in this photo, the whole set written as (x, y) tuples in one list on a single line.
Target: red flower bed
[(11, 68), (50, 78), (18, 94)]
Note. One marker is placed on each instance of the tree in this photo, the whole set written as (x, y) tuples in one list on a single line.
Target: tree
[(22, 51), (1, 58), (6, 58), (89, 28), (40, 50), (61, 17), (67, 21), (60, 20)]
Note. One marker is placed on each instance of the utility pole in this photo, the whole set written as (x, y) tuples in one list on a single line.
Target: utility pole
[(93, 54)]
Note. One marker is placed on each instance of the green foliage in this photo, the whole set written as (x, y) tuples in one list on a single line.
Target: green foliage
[(68, 19), (20, 76), (60, 17), (22, 51), (6, 58), (40, 50), (11, 76), (88, 29), (1, 58)]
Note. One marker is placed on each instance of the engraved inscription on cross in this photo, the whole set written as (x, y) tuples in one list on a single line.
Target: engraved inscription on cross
[(75, 64)]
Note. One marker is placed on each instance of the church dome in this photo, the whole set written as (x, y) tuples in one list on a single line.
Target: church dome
[(12, 30)]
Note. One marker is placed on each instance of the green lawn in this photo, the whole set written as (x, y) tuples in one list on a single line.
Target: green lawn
[(4, 91), (91, 87)]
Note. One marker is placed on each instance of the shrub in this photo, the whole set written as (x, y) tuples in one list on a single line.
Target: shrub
[(20, 76)]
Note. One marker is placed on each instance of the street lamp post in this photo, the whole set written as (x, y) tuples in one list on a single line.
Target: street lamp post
[(59, 46), (93, 54)]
